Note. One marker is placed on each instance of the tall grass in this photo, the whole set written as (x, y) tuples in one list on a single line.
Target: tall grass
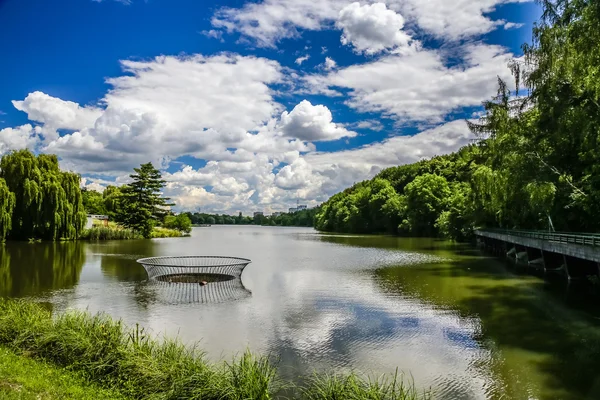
[(108, 233), (107, 353)]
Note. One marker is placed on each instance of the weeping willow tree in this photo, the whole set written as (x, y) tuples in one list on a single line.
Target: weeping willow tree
[(47, 201), (7, 204)]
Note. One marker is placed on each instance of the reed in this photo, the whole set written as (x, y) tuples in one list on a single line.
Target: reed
[(108, 233)]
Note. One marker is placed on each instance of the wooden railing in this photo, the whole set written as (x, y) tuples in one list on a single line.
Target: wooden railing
[(586, 239)]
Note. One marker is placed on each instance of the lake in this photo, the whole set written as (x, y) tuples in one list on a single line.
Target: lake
[(465, 325)]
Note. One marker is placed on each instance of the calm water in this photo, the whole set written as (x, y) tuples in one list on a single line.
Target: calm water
[(460, 323)]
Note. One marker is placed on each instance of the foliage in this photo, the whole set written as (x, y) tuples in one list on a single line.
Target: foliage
[(47, 201), (408, 199), (7, 205), (109, 233), (181, 222), (114, 357), (537, 161), (159, 232), (93, 202), (353, 387), (299, 218), (141, 206)]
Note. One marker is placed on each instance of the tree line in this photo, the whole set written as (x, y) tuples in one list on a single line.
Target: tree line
[(535, 165), (299, 218), (39, 201)]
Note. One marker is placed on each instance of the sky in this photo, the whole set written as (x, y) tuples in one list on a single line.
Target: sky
[(250, 105)]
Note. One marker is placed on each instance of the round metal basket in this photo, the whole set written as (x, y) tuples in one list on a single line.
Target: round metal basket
[(192, 293), (161, 268)]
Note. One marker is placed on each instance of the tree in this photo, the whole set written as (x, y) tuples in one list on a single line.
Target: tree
[(181, 222), (93, 202), (426, 198), (47, 201), (7, 204), (141, 203)]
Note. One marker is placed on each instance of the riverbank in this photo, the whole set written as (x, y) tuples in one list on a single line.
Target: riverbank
[(130, 362)]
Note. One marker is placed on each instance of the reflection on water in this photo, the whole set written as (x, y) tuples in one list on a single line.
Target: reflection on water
[(459, 322), (29, 269)]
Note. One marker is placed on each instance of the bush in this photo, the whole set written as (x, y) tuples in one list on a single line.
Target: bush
[(159, 232)]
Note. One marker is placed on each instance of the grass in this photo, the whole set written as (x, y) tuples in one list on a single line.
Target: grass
[(130, 362), (24, 378), (108, 233)]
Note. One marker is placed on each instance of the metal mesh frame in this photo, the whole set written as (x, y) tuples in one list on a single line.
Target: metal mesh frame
[(192, 293), (189, 265)]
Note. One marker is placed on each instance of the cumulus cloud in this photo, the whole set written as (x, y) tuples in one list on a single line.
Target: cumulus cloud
[(56, 114), (22, 137), (270, 21), (312, 123), (165, 108), (329, 64), (453, 20), (419, 86), (372, 28)]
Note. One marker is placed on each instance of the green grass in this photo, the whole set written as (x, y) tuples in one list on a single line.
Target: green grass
[(105, 352), (108, 233), (24, 378)]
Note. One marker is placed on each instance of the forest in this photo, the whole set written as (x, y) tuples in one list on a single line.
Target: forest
[(535, 163)]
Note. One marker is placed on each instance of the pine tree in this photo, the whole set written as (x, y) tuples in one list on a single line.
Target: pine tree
[(142, 205)]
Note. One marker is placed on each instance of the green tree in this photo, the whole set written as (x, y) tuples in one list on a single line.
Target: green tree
[(141, 203), (48, 201), (426, 197), (7, 204), (93, 202)]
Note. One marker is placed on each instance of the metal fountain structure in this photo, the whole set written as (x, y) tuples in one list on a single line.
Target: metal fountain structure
[(196, 279)]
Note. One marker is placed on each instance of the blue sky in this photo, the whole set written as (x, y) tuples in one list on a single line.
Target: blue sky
[(249, 105)]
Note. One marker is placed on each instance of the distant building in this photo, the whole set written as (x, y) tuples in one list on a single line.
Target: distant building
[(258, 213), (292, 210), (92, 217), (301, 207)]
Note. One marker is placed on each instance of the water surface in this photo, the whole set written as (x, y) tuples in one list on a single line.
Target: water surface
[(461, 323)]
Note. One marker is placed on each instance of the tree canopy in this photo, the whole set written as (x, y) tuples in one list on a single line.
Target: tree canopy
[(37, 199), (536, 164)]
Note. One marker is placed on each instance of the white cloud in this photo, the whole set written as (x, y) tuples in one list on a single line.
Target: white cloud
[(372, 28), (312, 123), (300, 60), (269, 21), (513, 25), (418, 86), (22, 137), (165, 108), (453, 20), (329, 64), (57, 114), (372, 124), (272, 20)]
